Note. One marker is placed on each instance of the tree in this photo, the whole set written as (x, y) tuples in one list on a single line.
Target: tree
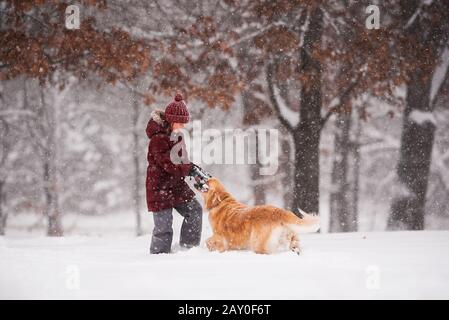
[(189, 50), (135, 125), (312, 72), (34, 43), (344, 193), (306, 135), (17, 163), (45, 130), (426, 28), (6, 146), (254, 112)]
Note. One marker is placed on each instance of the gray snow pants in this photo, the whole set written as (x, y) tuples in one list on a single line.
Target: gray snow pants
[(162, 237)]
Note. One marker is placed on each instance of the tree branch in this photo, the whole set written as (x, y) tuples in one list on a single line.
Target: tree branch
[(342, 99), (132, 89), (443, 83), (42, 23), (272, 96)]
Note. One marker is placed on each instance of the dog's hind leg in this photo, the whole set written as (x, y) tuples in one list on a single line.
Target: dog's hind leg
[(294, 243)]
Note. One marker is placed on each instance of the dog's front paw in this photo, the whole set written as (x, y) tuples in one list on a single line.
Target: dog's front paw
[(209, 244), (214, 245)]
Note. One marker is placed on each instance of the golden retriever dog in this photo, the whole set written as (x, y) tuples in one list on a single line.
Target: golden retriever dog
[(263, 229)]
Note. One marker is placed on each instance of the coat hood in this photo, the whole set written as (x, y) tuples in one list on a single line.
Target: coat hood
[(157, 124)]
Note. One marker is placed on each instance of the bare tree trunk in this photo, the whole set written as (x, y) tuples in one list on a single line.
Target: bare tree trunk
[(306, 137), (137, 173), (307, 169), (6, 144), (51, 189), (45, 138), (339, 202), (258, 187), (418, 129), (257, 179), (356, 174), (286, 167), (52, 212), (407, 211), (343, 199), (5, 149), (2, 214)]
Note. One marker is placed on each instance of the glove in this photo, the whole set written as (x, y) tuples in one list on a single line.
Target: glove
[(197, 171), (200, 177)]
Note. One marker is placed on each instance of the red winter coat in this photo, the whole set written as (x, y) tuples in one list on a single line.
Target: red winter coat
[(165, 183)]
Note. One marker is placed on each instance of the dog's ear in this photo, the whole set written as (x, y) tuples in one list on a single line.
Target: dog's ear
[(212, 198)]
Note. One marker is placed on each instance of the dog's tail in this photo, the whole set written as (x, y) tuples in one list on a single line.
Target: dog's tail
[(307, 224)]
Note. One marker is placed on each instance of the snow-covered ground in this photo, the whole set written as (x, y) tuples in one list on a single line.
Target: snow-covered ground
[(368, 265)]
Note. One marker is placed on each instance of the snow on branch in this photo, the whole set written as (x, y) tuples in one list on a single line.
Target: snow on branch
[(148, 35), (256, 33), (439, 75), (287, 117), (439, 163), (304, 28), (261, 96), (417, 13), (337, 103), (330, 20), (291, 116), (413, 18), (14, 112), (381, 141), (421, 117)]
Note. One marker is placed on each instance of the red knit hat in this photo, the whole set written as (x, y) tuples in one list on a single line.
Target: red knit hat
[(177, 111)]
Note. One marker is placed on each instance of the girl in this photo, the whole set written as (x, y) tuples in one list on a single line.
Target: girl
[(165, 185)]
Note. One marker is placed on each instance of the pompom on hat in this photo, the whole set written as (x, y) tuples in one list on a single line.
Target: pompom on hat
[(176, 111)]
